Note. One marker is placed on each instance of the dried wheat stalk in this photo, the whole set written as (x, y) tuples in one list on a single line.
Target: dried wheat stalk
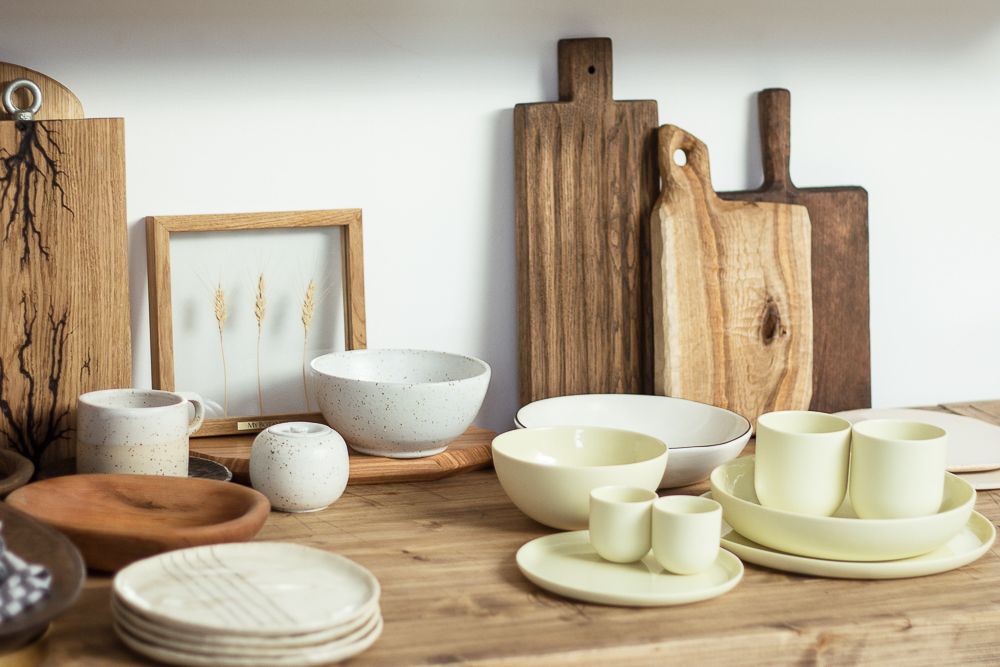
[(308, 308), (259, 310), (221, 314)]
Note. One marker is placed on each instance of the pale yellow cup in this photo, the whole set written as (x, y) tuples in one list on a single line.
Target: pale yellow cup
[(897, 469), (802, 461), (620, 522), (686, 532)]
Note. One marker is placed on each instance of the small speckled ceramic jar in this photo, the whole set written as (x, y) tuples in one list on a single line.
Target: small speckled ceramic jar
[(136, 431), (299, 466)]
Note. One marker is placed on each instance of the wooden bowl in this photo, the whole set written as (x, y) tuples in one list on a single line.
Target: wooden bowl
[(15, 471), (117, 519)]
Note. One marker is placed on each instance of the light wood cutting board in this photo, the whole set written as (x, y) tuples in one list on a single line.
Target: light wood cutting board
[(732, 311), (585, 180), (470, 451), (839, 216), (63, 258)]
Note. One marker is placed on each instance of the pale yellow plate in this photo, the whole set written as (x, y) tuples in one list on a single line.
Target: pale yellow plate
[(967, 546), (566, 564), (842, 536)]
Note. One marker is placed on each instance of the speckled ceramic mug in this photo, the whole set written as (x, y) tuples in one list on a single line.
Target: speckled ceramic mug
[(136, 431)]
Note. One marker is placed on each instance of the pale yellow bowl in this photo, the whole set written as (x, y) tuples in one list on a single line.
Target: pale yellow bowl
[(842, 536), (549, 472)]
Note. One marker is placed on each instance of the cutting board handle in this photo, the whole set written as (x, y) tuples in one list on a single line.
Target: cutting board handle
[(585, 69), (672, 139), (774, 108)]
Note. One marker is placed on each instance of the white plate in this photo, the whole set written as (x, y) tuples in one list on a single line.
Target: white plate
[(255, 588), (983, 481), (842, 536), (166, 635), (233, 649), (289, 659), (973, 445), (566, 564), (700, 436), (971, 543)]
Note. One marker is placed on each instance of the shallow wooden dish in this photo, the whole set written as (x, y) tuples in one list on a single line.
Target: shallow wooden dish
[(37, 543), (15, 471), (470, 451), (117, 519)]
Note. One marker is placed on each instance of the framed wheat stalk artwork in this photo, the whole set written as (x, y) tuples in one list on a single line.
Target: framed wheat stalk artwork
[(240, 304)]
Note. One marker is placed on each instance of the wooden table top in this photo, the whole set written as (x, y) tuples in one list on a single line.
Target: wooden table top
[(444, 553)]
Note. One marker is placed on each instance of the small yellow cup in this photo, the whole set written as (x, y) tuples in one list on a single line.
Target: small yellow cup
[(686, 533), (620, 522)]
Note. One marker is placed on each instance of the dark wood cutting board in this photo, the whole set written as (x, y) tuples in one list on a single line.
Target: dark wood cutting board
[(839, 217), (63, 258), (585, 181)]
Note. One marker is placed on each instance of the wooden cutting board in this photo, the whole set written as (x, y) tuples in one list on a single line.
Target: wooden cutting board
[(63, 258), (839, 216), (733, 311), (471, 451), (585, 181)]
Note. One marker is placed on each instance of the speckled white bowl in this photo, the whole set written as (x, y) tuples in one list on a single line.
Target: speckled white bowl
[(299, 466), (400, 403)]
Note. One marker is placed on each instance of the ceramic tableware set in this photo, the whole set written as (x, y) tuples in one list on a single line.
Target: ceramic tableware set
[(263, 603), (640, 550), (870, 501)]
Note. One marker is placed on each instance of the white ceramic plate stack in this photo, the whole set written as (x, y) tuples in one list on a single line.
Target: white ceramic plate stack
[(842, 545), (258, 603)]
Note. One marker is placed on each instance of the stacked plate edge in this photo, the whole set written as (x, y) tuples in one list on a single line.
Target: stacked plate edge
[(257, 603)]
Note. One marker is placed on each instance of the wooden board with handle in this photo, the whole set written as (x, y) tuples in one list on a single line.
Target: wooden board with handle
[(585, 181), (470, 451), (839, 219), (63, 256), (732, 308)]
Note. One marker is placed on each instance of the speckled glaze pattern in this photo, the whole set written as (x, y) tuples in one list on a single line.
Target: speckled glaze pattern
[(136, 431), (400, 403), (299, 466)]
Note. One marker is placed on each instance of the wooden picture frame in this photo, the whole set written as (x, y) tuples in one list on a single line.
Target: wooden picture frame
[(158, 232)]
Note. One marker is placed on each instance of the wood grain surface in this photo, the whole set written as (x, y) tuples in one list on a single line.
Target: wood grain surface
[(732, 310), (58, 101), (451, 593), (839, 227), (65, 293), (585, 180), (115, 520), (470, 451)]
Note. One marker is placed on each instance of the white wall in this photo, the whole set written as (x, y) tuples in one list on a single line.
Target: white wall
[(404, 109)]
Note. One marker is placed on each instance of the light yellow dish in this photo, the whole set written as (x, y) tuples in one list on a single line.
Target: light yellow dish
[(842, 536), (549, 472)]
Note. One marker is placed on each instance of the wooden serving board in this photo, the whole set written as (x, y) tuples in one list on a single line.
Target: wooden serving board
[(839, 217), (733, 311), (63, 258), (471, 451), (585, 181)]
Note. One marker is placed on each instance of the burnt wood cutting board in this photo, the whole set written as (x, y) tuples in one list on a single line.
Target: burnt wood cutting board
[(585, 181), (63, 258), (839, 217), (732, 307)]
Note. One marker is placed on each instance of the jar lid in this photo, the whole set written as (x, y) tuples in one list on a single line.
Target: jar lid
[(300, 429)]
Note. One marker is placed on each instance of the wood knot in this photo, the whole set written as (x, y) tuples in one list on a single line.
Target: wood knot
[(770, 326)]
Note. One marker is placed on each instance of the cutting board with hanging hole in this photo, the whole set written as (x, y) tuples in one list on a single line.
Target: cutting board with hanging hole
[(585, 181), (839, 228), (732, 308), (63, 258)]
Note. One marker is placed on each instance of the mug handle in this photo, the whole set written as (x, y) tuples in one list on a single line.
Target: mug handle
[(199, 409)]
